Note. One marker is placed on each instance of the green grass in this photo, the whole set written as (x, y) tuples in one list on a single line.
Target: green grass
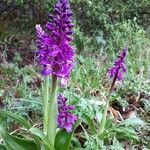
[(20, 89)]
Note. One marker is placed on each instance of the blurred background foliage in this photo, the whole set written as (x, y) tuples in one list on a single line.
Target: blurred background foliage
[(90, 15), (101, 25)]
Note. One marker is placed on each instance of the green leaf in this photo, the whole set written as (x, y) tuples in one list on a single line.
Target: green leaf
[(63, 139), (132, 122), (20, 120), (2, 147), (75, 142), (116, 145), (15, 143), (77, 148), (125, 132), (24, 143), (15, 117), (42, 136), (90, 123)]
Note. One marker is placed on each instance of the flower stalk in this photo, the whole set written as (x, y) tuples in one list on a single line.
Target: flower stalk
[(55, 56), (52, 112), (103, 122), (116, 72), (45, 103)]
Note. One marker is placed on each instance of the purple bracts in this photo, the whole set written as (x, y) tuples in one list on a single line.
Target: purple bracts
[(55, 54), (119, 66), (66, 120)]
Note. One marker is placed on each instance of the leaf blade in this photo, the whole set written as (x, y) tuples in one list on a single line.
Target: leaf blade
[(19, 119), (41, 135), (63, 139), (16, 143)]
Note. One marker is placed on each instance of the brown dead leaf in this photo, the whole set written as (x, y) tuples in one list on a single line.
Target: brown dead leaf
[(116, 114)]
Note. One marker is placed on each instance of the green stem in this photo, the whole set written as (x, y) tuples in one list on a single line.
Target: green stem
[(52, 112), (45, 103), (103, 122)]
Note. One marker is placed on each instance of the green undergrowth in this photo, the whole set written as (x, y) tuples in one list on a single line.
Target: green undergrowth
[(20, 85)]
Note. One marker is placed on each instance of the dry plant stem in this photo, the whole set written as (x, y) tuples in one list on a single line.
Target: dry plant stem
[(103, 122), (52, 112)]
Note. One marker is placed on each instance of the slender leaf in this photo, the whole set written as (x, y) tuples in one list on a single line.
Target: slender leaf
[(125, 132), (2, 147), (75, 142), (21, 121), (16, 143), (133, 122), (42, 136), (90, 123), (26, 144), (15, 117), (77, 148)]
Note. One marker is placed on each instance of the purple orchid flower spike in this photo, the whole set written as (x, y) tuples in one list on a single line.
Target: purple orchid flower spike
[(116, 72), (55, 54), (119, 67), (65, 119)]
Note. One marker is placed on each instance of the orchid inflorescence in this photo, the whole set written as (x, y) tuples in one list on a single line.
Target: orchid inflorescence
[(55, 55), (119, 67), (116, 72), (66, 120)]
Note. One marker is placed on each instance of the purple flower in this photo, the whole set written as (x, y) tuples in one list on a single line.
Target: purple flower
[(55, 54), (64, 82), (65, 119), (119, 67)]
